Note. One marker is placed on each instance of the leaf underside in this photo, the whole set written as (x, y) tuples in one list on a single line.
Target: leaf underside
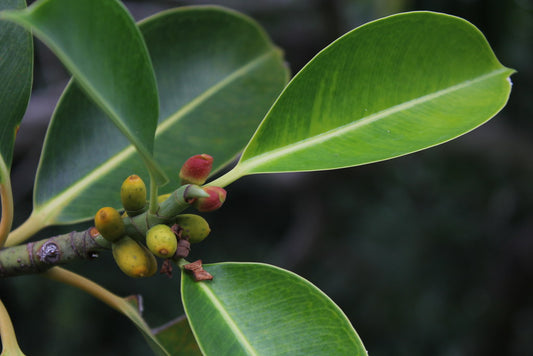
[(212, 97), (99, 43), (16, 66), (178, 339)]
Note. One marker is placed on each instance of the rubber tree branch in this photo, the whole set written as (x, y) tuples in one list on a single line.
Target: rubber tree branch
[(39, 256), (36, 257)]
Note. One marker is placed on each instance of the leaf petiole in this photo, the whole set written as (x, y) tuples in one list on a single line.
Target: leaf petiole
[(25, 231), (7, 334), (114, 301), (6, 198), (7, 212), (153, 204)]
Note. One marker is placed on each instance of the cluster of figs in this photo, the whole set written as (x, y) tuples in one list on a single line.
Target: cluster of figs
[(138, 258)]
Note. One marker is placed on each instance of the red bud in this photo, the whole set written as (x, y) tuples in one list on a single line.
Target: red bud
[(196, 169), (216, 198)]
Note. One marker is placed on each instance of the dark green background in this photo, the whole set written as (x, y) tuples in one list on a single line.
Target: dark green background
[(429, 254)]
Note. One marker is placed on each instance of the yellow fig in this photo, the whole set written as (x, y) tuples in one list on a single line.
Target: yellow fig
[(133, 194), (162, 198), (109, 223), (194, 227), (162, 241), (134, 259)]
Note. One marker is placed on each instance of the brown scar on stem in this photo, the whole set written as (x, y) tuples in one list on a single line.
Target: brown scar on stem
[(166, 268), (198, 272)]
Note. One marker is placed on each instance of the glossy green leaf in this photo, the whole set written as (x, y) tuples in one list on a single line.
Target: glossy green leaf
[(218, 74), (388, 88), (177, 338), (98, 41), (16, 63), (257, 309)]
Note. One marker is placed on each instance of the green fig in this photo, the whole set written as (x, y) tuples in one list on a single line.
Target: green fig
[(194, 227), (133, 195)]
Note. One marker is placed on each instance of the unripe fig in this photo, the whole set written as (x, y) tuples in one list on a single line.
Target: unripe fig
[(162, 241), (216, 198), (109, 223), (194, 227), (196, 169), (133, 258), (133, 194)]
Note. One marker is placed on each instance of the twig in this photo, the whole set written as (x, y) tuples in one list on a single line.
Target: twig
[(38, 256)]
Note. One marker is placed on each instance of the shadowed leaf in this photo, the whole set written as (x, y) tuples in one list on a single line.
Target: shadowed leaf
[(16, 64), (177, 337)]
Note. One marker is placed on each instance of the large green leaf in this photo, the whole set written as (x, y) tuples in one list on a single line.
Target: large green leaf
[(16, 62), (98, 41), (257, 309), (177, 338), (218, 74), (388, 88)]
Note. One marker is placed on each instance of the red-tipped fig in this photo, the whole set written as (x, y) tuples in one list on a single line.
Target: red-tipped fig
[(216, 198), (196, 169)]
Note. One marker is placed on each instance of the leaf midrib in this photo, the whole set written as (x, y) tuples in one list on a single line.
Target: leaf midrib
[(247, 165), (239, 335), (54, 205)]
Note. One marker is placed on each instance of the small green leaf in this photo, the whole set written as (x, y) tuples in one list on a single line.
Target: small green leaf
[(218, 73), (98, 41), (388, 88), (177, 338), (16, 65), (257, 309)]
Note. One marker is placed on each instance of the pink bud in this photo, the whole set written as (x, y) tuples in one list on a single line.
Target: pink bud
[(216, 198), (196, 169)]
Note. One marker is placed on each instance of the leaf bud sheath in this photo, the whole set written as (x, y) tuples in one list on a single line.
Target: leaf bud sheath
[(180, 200)]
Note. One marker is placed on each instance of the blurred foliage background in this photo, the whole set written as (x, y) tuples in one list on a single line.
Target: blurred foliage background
[(429, 254)]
